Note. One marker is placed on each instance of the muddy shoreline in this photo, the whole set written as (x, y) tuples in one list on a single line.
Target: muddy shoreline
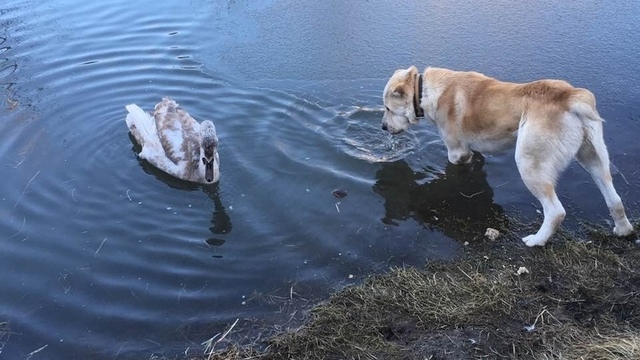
[(577, 298)]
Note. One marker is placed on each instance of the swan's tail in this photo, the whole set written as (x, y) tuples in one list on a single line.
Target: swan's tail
[(143, 127)]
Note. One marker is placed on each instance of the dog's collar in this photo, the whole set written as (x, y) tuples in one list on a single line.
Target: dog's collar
[(417, 95)]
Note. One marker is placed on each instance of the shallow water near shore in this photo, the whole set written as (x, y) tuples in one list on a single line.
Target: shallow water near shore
[(102, 256)]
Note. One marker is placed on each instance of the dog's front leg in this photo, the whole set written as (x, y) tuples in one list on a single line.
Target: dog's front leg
[(458, 151), (459, 156)]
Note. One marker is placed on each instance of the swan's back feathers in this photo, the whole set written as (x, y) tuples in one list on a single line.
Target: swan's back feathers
[(178, 132)]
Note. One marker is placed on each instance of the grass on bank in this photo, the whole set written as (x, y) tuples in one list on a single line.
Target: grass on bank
[(579, 300), (4, 334)]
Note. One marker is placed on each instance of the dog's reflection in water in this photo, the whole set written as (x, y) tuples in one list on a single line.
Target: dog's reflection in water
[(459, 202)]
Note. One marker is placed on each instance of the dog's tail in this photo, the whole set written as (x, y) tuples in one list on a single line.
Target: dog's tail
[(583, 105)]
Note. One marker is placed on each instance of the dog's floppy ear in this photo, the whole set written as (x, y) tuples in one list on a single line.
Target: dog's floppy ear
[(398, 91), (406, 78), (412, 71)]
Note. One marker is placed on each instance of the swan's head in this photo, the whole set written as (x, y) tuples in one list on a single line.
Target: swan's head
[(209, 144)]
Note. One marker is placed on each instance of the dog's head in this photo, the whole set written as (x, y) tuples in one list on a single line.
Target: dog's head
[(398, 95)]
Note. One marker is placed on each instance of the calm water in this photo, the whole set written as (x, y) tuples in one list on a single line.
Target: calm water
[(104, 257)]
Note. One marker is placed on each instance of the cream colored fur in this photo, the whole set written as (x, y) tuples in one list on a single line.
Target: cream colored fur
[(549, 122)]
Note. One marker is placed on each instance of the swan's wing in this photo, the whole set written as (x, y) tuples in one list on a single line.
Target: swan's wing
[(143, 127), (175, 130), (141, 124)]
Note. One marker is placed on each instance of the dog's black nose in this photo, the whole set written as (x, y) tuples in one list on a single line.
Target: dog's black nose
[(384, 127)]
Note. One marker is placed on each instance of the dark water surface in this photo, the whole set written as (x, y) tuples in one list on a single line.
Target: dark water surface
[(104, 257)]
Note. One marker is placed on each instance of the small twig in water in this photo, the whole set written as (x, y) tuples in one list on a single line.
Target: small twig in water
[(621, 174), (128, 195), (100, 247), (338, 208), (25, 189), (153, 342), (73, 197), (24, 220), (472, 195), (210, 345), (35, 352), (503, 184), (18, 163), (182, 291)]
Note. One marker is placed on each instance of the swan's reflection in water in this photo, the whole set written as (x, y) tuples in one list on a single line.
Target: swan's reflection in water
[(458, 202), (220, 223), (220, 220)]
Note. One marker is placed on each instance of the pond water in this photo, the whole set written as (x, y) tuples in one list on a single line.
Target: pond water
[(104, 257)]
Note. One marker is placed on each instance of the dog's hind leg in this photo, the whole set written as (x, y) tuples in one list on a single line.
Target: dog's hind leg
[(543, 188), (594, 157), (544, 148)]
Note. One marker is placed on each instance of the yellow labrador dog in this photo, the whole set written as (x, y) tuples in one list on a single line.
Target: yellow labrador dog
[(549, 122)]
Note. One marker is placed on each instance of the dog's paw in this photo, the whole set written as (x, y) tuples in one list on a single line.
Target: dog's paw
[(533, 240), (624, 229)]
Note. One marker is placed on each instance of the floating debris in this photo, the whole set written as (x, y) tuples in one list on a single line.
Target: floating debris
[(100, 247), (12, 104), (339, 193)]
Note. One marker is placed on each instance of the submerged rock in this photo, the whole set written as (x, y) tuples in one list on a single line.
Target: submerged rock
[(492, 234)]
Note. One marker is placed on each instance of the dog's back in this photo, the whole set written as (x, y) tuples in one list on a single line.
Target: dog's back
[(498, 106)]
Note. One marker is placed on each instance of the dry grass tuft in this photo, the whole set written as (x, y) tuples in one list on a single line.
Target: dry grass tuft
[(622, 346), (5, 331), (578, 301)]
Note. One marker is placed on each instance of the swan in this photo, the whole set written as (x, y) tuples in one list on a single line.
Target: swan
[(175, 142)]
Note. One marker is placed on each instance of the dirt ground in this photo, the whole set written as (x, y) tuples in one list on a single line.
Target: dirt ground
[(576, 298)]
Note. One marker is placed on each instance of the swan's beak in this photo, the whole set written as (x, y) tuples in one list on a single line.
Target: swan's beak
[(208, 171)]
